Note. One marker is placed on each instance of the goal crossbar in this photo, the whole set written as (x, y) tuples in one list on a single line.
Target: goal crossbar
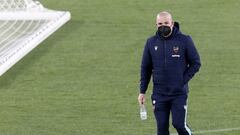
[(22, 15), (22, 30)]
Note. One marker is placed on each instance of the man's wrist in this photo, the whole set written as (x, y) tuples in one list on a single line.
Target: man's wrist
[(142, 92)]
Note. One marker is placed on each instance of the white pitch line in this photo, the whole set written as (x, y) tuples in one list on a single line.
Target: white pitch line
[(213, 131)]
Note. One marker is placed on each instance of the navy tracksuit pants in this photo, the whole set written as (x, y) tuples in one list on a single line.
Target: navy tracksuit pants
[(177, 106)]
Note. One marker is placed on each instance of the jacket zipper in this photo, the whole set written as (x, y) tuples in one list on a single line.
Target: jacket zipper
[(165, 59)]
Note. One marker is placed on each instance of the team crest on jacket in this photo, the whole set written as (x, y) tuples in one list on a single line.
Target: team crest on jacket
[(175, 49), (155, 47)]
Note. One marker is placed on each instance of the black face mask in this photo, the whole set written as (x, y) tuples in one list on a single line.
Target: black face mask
[(164, 31)]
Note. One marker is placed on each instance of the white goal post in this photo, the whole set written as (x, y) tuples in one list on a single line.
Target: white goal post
[(24, 24)]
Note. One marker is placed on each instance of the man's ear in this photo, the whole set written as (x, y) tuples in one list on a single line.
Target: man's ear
[(172, 25), (156, 25)]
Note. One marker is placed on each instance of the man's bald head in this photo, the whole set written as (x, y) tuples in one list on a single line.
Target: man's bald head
[(164, 19), (164, 14)]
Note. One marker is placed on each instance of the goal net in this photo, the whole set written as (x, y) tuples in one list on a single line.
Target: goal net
[(24, 24)]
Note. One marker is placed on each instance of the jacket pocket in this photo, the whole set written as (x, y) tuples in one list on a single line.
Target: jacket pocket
[(158, 77), (175, 81), (186, 78)]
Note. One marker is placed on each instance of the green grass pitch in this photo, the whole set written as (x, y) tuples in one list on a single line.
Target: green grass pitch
[(83, 80)]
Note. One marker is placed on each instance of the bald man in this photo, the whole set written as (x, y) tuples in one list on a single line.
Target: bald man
[(171, 58)]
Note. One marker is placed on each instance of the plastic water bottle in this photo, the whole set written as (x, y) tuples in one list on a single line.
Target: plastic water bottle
[(143, 112)]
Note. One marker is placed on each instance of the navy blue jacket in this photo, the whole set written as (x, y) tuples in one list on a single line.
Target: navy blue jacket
[(171, 62)]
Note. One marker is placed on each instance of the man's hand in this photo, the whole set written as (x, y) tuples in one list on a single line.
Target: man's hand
[(141, 99)]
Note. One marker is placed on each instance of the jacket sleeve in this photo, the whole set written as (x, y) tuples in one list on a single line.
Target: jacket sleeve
[(146, 69), (193, 60)]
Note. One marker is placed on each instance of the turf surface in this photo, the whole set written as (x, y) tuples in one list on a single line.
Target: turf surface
[(83, 80)]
